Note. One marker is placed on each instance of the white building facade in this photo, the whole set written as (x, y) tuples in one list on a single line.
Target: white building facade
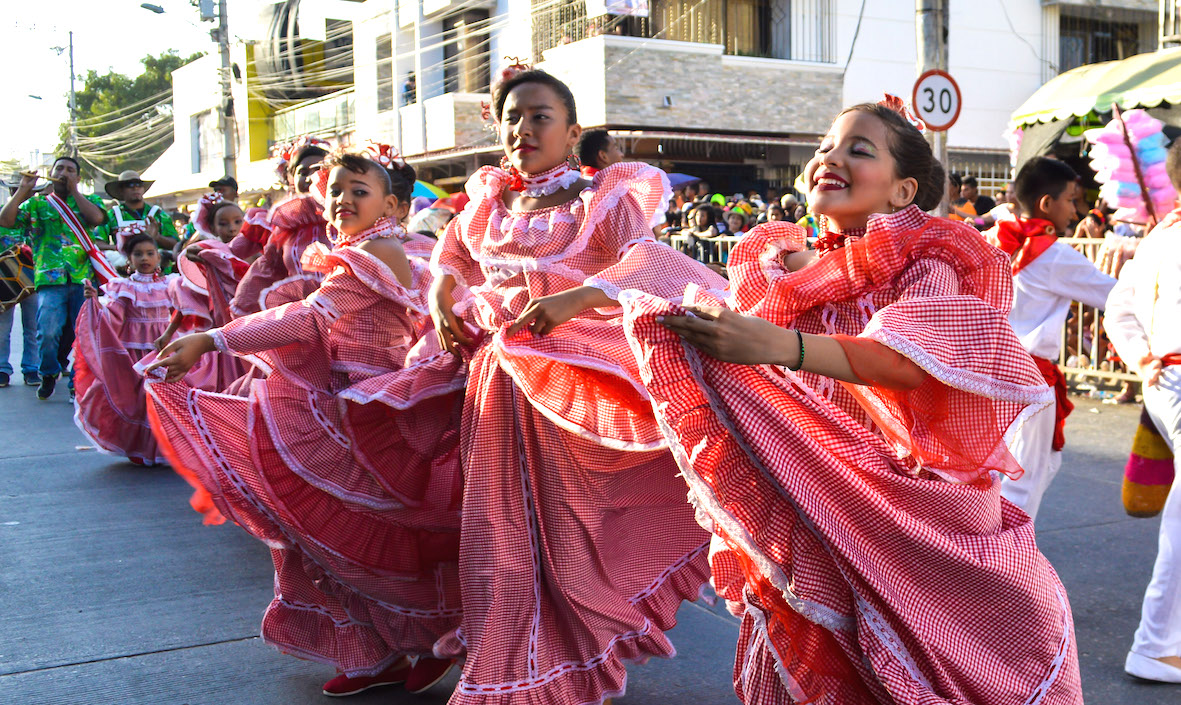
[(735, 91)]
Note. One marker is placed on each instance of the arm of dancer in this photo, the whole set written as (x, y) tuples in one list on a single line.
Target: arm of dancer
[(748, 340), (1127, 332), (451, 265), (173, 327)]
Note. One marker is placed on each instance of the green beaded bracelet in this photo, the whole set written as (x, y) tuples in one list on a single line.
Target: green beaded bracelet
[(799, 365)]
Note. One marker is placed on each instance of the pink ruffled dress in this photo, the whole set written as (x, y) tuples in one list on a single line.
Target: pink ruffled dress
[(862, 533), (360, 505), (113, 333), (577, 544)]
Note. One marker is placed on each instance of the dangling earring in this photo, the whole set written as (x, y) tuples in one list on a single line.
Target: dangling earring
[(515, 182), (574, 162), (382, 223)]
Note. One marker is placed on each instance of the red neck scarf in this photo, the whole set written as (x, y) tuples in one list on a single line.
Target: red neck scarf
[(1025, 239)]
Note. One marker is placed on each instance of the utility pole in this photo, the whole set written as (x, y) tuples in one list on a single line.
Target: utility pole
[(73, 145), (931, 36), (221, 34)]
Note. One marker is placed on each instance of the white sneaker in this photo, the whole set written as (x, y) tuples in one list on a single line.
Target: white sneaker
[(1151, 669)]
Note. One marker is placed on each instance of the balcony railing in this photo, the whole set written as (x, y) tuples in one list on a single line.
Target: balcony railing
[(804, 30), (331, 115)]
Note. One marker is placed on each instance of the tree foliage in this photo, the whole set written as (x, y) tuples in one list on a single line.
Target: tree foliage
[(125, 122)]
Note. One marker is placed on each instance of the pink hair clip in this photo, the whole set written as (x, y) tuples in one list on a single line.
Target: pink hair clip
[(899, 106), (131, 229)]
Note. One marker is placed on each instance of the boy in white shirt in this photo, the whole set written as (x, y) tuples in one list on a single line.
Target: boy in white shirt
[(1047, 277), (1144, 323)]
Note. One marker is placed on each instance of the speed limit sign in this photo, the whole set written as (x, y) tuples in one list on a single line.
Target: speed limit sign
[(936, 99)]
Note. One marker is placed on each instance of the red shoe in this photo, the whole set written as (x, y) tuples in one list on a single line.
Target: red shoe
[(344, 685), (426, 672)]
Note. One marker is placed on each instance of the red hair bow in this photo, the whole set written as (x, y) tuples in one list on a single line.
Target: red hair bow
[(899, 106)]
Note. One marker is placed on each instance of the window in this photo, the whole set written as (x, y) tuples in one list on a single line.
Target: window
[(801, 30), (466, 64), (1093, 35), (205, 140), (385, 73)]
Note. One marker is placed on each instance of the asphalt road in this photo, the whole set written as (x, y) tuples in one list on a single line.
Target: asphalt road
[(112, 592)]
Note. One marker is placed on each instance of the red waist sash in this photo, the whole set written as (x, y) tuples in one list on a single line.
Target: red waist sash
[(1063, 406)]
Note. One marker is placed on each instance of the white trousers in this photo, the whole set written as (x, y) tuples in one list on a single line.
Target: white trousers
[(1032, 447), (1159, 633)]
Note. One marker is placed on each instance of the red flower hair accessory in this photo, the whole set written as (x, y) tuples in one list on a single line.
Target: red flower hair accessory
[(384, 155), (899, 106), (512, 69)]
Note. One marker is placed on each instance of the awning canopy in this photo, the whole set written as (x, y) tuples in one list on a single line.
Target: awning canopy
[(1141, 81)]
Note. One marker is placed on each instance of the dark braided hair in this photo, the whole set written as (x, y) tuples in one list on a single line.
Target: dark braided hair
[(912, 155)]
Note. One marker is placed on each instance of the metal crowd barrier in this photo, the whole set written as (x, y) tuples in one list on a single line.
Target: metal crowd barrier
[(1085, 351)]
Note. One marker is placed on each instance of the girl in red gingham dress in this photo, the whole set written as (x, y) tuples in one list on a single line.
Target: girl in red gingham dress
[(577, 544), (841, 421), (113, 333), (360, 505)]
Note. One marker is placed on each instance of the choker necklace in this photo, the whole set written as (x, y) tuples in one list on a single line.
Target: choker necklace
[(830, 240), (382, 228), (147, 278), (547, 182)]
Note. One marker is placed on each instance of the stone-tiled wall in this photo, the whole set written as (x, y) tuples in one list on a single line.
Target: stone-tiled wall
[(624, 81)]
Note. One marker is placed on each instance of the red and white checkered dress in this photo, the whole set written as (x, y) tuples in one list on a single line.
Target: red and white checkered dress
[(872, 561), (577, 545), (359, 504), (202, 295), (112, 334)]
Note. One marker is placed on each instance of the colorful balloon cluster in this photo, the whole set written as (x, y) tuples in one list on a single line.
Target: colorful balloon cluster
[(1115, 166)]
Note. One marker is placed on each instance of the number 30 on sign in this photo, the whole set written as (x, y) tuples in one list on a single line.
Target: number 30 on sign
[(936, 100)]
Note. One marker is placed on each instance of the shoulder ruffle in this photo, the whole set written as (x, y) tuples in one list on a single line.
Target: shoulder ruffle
[(646, 184), (499, 238), (297, 213), (371, 272), (755, 260), (892, 244), (142, 294)]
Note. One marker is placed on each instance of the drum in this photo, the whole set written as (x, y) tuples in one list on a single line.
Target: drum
[(16, 277)]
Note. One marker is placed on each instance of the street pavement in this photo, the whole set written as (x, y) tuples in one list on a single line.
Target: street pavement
[(112, 592)]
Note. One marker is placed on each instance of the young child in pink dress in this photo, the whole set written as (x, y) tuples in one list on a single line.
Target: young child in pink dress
[(113, 332), (359, 505), (841, 421)]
